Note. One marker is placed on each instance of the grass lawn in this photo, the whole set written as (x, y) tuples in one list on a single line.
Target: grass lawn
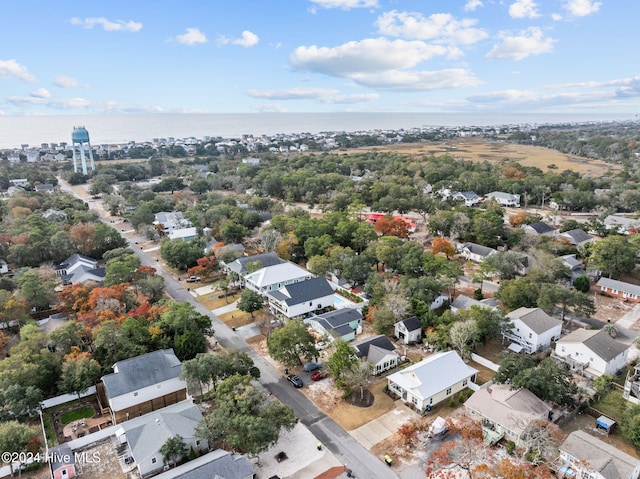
[(212, 304), (75, 414), (237, 318), (611, 404), (351, 417)]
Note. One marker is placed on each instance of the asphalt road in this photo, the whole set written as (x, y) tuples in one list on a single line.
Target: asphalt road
[(341, 444)]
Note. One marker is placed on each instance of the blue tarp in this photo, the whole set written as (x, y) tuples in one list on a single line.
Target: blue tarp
[(605, 423)]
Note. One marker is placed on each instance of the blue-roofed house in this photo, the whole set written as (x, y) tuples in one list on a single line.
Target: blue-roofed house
[(142, 384), (218, 464), (299, 299), (145, 435), (342, 323), (432, 380)]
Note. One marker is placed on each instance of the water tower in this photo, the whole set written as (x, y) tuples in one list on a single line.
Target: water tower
[(81, 147)]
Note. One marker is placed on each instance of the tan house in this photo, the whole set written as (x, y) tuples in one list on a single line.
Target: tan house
[(142, 384), (506, 412)]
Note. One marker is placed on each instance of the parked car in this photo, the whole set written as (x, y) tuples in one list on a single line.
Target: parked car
[(193, 279), (310, 367), (319, 374), (295, 380)]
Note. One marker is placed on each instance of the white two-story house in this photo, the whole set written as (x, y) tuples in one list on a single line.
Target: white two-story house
[(592, 352), (531, 330)]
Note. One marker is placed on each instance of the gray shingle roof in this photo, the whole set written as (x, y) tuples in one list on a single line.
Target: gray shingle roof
[(412, 323), (536, 319), (598, 341), (577, 236), (267, 259), (218, 464), (601, 457), (303, 291), (619, 285), (541, 227), (381, 341), (479, 249), (142, 371), (146, 434)]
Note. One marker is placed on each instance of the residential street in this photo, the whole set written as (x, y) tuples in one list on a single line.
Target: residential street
[(333, 436)]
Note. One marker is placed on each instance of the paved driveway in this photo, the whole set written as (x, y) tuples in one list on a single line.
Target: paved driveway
[(381, 428)]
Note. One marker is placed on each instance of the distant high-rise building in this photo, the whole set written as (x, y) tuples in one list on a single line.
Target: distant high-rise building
[(81, 149)]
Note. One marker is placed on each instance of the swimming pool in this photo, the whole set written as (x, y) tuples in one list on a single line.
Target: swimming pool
[(340, 302)]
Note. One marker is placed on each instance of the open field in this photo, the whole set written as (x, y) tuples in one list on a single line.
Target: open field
[(480, 149)]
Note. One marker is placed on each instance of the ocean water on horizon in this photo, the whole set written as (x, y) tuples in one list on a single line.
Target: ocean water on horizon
[(113, 129)]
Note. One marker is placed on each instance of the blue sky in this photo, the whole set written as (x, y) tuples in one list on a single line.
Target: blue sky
[(211, 56)]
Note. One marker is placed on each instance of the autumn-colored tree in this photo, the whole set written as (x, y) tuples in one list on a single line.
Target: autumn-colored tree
[(513, 173), (205, 267), (517, 219), (388, 226), (113, 298), (468, 453), (77, 353), (83, 235), (74, 298), (441, 245), (145, 272)]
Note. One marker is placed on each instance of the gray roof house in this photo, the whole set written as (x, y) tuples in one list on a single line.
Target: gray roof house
[(299, 299), (504, 199), (506, 412), (623, 224), (470, 198), (432, 380), (239, 266), (143, 384), (531, 330), (342, 323), (583, 455), (539, 229), (465, 302), (619, 289), (171, 220), (78, 268), (218, 464), (379, 351), (408, 330), (576, 237), (145, 435), (475, 252), (591, 352)]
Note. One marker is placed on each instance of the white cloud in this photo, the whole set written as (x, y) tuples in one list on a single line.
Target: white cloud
[(471, 5), (346, 4), (418, 81), (556, 17), (524, 9), (81, 104), (192, 37), (440, 27), (582, 8), (12, 69), (41, 93), (68, 82), (247, 40), (366, 56), (269, 108), (107, 25), (323, 95), (525, 44)]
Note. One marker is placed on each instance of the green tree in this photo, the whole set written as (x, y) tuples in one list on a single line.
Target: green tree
[(250, 301), (15, 436), (78, 374), (463, 334), (39, 293), (549, 381), (173, 450), (383, 320), (292, 343), (17, 400), (244, 420), (613, 255), (68, 335), (185, 329), (342, 360), (232, 232), (630, 424), (554, 294), (512, 364), (121, 269), (505, 264), (582, 283), (181, 254), (518, 293)]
